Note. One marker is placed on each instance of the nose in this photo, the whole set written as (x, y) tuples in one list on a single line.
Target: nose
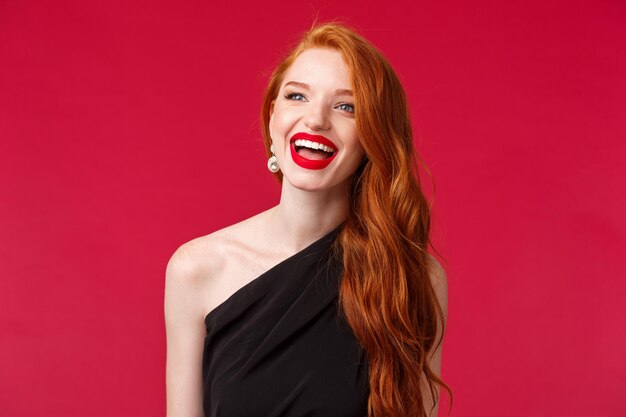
[(317, 117)]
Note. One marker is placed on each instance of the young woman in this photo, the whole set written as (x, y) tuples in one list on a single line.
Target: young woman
[(327, 304)]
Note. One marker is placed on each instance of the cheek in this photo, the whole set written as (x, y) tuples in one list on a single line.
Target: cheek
[(356, 146), (276, 128), (282, 117), (359, 153), (355, 156)]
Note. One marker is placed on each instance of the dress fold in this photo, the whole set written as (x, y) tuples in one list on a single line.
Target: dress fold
[(279, 347)]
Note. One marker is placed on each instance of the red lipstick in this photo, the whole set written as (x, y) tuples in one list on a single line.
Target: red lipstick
[(311, 163)]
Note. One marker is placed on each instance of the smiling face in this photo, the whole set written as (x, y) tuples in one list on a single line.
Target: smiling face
[(312, 122)]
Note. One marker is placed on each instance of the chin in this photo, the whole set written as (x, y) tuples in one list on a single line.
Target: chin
[(307, 184)]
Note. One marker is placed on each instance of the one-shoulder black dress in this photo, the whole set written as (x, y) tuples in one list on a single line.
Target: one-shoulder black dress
[(280, 347)]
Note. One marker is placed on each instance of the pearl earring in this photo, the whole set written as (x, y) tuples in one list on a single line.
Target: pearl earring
[(272, 163)]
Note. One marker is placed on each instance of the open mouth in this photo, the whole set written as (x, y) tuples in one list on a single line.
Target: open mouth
[(313, 151)]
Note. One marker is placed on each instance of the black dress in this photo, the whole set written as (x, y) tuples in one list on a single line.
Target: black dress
[(280, 347)]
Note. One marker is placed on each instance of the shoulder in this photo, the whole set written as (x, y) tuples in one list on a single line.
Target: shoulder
[(437, 273), (197, 263), (194, 257), (194, 278), (188, 272), (439, 281), (191, 259)]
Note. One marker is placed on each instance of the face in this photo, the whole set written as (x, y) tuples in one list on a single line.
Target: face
[(312, 122)]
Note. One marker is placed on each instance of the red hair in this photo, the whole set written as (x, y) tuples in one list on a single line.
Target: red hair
[(386, 291)]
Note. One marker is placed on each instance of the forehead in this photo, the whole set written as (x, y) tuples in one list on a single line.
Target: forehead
[(322, 65)]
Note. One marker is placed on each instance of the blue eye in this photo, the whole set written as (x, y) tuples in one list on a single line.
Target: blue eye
[(349, 105), (290, 96), (293, 96)]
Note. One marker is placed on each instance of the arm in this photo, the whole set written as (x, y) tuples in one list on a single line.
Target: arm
[(440, 285), (185, 333)]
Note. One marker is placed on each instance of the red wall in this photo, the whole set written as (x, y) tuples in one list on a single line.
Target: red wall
[(128, 128)]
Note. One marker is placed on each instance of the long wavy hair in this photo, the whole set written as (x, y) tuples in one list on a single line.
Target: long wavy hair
[(386, 292)]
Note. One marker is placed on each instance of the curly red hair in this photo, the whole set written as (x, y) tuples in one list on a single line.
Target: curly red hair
[(386, 290)]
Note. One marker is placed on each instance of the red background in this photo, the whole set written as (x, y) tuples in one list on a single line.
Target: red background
[(128, 128)]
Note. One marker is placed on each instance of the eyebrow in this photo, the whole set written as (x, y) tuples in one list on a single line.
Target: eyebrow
[(339, 91)]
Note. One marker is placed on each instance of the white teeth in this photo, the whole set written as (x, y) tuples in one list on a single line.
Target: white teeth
[(313, 145)]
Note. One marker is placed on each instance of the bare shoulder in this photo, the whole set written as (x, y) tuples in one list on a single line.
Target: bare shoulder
[(206, 268), (187, 275), (191, 261), (439, 281), (199, 260), (437, 273), (190, 272), (194, 259)]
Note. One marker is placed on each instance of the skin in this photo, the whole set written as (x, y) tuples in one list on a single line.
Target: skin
[(205, 271), (440, 285)]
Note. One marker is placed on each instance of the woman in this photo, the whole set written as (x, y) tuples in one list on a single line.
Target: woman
[(327, 304)]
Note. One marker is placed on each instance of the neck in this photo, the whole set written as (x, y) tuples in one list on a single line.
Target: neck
[(304, 216)]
